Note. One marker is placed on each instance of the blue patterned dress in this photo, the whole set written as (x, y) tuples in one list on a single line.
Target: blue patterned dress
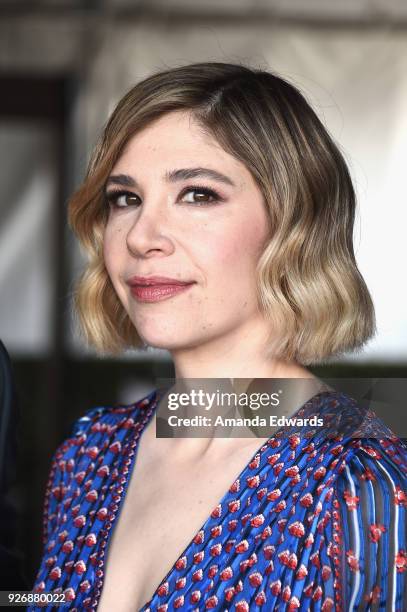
[(311, 523)]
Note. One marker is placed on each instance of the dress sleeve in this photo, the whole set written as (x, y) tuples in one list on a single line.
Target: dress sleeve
[(372, 504), (53, 494), (61, 464)]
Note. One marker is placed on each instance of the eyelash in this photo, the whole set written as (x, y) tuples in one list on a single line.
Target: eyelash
[(113, 196)]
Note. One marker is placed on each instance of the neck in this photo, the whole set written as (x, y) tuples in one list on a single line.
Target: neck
[(241, 353)]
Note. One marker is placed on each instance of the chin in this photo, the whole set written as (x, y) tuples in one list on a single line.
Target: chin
[(170, 342), (159, 338)]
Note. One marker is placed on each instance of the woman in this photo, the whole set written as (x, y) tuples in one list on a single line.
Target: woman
[(218, 214)]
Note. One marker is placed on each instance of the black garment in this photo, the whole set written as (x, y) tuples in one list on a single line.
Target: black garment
[(11, 575)]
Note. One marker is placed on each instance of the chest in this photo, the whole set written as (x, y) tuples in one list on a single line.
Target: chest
[(160, 514)]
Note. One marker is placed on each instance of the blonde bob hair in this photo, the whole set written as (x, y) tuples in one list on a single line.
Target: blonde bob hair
[(309, 286)]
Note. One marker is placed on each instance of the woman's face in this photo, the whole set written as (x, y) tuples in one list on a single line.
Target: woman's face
[(170, 218)]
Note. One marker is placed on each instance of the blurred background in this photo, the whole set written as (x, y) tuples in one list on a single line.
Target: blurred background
[(63, 66)]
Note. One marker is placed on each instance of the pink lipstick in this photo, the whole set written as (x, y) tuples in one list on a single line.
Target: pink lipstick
[(156, 288)]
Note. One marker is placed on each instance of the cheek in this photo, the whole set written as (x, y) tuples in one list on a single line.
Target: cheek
[(112, 249), (235, 251), (113, 258)]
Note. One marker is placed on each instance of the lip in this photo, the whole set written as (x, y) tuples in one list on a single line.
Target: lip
[(156, 288), (147, 281)]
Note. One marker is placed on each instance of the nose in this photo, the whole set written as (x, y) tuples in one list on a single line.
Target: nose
[(148, 235)]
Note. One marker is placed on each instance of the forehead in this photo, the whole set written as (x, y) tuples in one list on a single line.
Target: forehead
[(177, 140)]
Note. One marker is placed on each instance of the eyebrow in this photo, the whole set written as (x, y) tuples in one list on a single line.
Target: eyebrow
[(188, 173), (174, 176)]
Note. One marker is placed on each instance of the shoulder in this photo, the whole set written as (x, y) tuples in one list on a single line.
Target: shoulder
[(111, 415), (375, 471), (370, 459), (100, 424), (98, 436), (375, 446), (354, 420), (373, 451)]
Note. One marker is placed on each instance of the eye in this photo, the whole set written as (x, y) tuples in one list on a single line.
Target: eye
[(202, 196), (122, 199)]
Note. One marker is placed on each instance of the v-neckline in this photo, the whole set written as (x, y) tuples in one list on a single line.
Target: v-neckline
[(151, 409)]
